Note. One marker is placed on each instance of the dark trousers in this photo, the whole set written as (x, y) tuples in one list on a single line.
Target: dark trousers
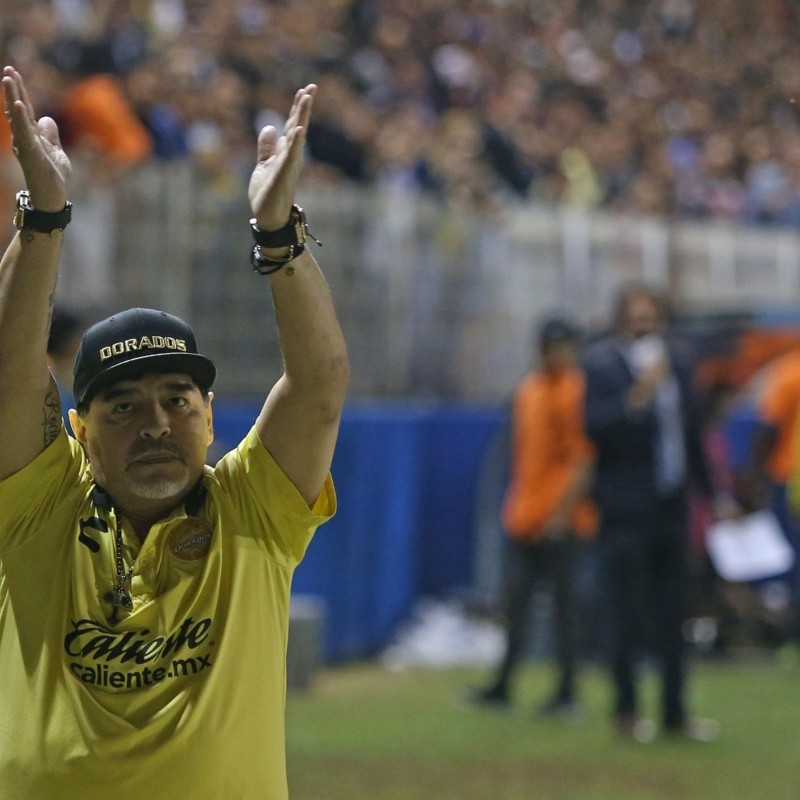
[(790, 523), (528, 566), (645, 568)]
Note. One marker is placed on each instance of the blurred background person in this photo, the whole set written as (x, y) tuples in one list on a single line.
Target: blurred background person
[(725, 614), (641, 419), (66, 329), (774, 459), (546, 514)]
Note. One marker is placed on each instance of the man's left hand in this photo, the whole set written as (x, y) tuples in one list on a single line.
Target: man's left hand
[(280, 159)]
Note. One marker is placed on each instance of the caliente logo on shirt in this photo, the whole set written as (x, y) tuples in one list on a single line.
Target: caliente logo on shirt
[(114, 659)]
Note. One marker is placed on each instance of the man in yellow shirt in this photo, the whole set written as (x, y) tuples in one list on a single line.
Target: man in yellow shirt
[(143, 595)]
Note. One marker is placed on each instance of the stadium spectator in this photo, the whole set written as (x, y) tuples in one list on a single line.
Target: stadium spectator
[(686, 108), (157, 108), (97, 115), (546, 513), (66, 329)]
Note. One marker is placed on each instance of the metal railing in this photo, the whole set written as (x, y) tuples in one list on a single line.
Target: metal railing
[(435, 301)]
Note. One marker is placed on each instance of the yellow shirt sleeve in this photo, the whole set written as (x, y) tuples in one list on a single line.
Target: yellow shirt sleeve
[(272, 509), (31, 497)]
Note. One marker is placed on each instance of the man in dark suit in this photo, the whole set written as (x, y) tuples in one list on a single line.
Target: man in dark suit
[(639, 415)]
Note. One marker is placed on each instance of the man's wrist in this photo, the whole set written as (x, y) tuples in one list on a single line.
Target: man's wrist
[(28, 217), (274, 249), (270, 226), (47, 206), (266, 264)]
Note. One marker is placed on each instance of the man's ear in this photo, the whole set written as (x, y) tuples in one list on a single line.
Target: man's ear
[(78, 426), (209, 420)]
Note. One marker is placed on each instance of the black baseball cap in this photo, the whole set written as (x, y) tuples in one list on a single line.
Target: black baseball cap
[(134, 342), (557, 330)]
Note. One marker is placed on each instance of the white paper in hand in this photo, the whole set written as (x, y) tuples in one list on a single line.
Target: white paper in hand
[(749, 549)]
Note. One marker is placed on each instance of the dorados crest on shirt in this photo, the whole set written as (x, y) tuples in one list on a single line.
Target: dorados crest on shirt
[(142, 343)]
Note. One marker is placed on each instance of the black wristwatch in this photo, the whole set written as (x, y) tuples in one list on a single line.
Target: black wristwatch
[(292, 235), (26, 217)]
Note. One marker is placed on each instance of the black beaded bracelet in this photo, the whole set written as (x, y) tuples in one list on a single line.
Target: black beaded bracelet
[(267, 266)]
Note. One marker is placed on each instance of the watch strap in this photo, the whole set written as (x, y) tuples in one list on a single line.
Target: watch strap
[(293, 232), (26, 217), (292, 235)]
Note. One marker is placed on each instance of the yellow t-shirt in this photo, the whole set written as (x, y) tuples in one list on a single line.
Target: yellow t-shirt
[(184, 695)]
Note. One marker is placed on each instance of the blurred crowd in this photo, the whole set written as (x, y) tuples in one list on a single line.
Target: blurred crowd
[(649, 106)]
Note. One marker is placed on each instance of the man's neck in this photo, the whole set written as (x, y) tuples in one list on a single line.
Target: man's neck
[(146, 513), (141, 514), (142, 522)]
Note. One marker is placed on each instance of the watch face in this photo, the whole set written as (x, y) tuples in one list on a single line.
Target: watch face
[(300, 226), (23, 205)]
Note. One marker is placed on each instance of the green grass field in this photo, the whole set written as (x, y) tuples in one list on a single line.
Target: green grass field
[(365, 734)]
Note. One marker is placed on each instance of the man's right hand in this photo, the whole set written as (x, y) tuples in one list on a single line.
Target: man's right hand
[(642, 393), (37, 147)]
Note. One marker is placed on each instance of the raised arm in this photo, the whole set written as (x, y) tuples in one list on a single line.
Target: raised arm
[(300, 418), (30, 415)]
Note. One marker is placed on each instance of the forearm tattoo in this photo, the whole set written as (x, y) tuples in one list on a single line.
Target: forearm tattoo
[(51, 423)]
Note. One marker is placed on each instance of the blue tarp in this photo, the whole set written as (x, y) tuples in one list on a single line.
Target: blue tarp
[(406, 477)]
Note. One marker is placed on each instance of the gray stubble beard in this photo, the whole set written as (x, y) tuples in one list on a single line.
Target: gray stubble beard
[(159, 489)]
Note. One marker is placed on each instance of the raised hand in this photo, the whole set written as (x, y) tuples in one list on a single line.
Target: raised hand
[(279, 162), (37, 147)]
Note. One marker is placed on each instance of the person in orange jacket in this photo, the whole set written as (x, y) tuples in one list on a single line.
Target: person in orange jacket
[(546, 512)]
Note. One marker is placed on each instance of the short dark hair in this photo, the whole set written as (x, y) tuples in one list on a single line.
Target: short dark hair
[(631, 291), (555, 330)]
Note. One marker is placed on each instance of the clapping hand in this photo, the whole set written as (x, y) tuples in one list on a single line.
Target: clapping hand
[(37, 147), (280, 160)]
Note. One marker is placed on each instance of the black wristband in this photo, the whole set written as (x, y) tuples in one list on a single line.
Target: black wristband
[(292, 235), (293, 232), (28, 218), (282, 237)]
